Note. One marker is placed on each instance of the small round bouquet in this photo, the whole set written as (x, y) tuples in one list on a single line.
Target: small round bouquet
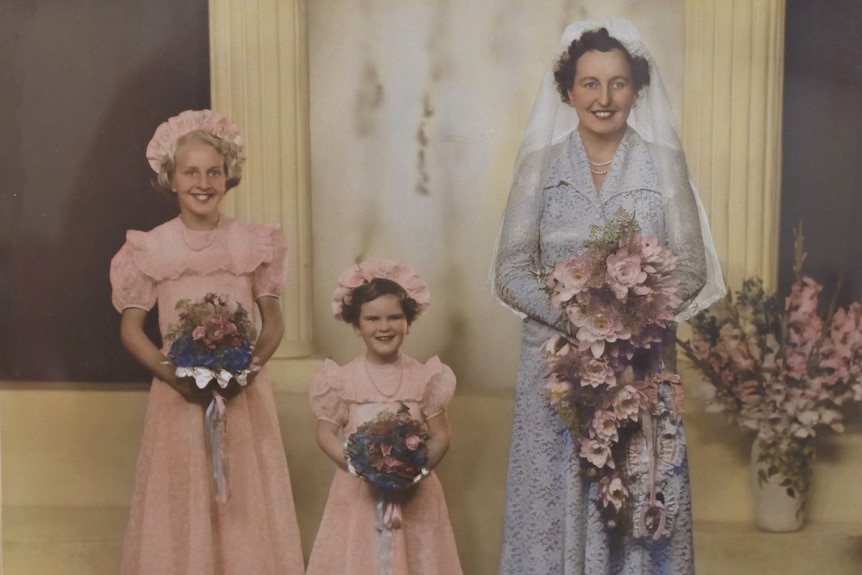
[(212, 342), (389, 451)]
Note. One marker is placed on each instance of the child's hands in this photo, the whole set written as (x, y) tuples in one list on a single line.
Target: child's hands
[(187, 387), (234, 388)]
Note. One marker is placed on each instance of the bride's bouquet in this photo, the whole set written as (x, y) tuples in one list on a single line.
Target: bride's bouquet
[(616, 298)]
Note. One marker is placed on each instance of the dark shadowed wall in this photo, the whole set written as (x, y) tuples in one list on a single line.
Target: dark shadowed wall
[(83, 84), (822, 165)]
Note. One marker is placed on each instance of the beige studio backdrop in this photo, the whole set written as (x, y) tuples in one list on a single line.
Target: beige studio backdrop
[(388, 128), (414, 113)]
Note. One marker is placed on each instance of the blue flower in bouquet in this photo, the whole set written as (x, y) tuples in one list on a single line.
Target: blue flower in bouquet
[(212, 334), (389, 451)]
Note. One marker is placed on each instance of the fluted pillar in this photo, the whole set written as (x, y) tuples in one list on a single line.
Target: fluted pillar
[(258, 66), (732, 127)]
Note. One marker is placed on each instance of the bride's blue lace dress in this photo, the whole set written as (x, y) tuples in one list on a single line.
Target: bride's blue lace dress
[(552, 522)]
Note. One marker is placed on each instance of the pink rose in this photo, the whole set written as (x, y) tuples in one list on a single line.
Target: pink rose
[(627, 403), (597, 453), (413, 442), (570, 278), (613, 491), (624, 273), (599, 328), (597, 372), (604, 426)]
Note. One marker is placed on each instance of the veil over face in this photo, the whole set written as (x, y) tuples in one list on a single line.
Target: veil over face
[(552, 121)]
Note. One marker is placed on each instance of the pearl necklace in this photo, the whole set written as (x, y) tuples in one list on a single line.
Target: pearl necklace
[(374, 383), (599, 165), (197, 240)]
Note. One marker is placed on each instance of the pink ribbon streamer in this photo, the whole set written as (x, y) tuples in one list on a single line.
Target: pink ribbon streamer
[(215, 419), (388, 518)]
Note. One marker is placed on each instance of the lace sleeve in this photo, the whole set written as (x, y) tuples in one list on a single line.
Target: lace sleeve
[(518, 252), (683, 227)]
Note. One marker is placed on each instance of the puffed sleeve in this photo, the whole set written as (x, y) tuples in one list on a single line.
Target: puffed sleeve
[(269, 276), (439, 389), (131, 287), (326, 394)]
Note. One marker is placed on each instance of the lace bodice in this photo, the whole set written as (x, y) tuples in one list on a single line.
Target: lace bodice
[(555, 221)]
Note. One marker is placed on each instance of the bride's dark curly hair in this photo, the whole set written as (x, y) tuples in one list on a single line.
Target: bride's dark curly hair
[(372, 290), (601, 40)]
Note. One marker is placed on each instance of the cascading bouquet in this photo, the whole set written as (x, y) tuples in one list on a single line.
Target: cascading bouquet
[(781, 370), (213, 344), (617, 299)]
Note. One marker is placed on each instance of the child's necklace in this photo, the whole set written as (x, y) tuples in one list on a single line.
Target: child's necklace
[(197, 240), (377, 387)]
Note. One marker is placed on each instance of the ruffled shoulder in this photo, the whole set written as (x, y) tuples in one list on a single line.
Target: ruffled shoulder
[(169, 250), (326, 394), (439, 387), (270, 269), (130, 286)]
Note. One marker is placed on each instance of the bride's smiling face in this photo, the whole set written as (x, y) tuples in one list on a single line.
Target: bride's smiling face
[(602, 93)]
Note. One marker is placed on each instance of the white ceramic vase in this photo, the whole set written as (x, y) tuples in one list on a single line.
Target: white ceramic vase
[(775, 510)]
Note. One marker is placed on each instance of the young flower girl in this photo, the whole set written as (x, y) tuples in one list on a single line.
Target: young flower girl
[(366, 529)]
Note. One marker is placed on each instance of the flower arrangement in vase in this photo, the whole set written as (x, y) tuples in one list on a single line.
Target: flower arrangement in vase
[(781, 369)]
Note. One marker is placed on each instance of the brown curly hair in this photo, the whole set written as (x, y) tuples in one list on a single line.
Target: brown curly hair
[(370, 291), (601, 40)]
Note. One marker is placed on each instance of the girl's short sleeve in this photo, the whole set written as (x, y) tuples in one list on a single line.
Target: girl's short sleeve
[(269, 276), (439, 389), (326, 394), (131, 288)]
